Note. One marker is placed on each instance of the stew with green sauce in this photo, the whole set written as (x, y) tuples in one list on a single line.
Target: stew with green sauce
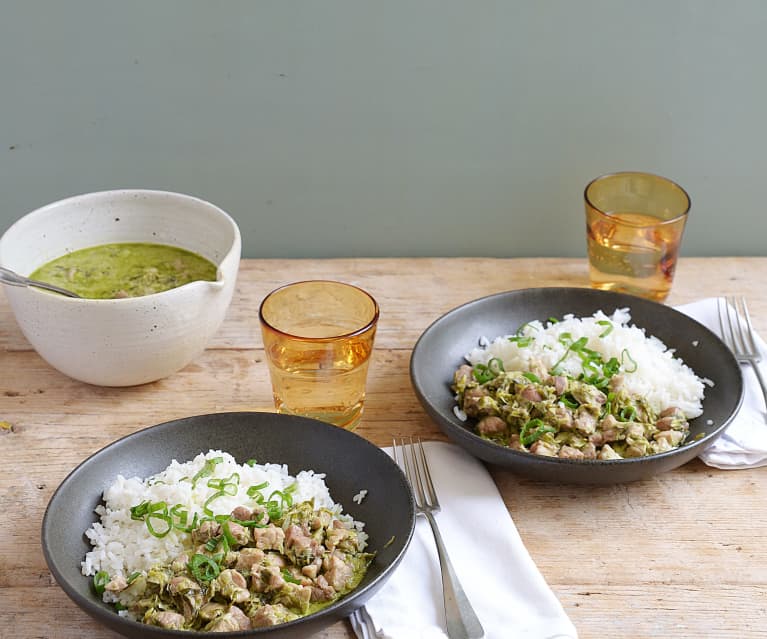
[(110, 271)]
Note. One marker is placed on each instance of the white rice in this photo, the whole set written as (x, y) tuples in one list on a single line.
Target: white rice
[(122, 546), (660, 377)]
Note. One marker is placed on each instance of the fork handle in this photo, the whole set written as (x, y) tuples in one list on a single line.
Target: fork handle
[(462, 621)]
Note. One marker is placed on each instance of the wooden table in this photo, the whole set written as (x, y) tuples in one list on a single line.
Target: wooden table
[(681, 555)]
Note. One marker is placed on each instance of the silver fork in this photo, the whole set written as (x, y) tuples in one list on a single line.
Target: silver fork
[(733, 315), (462, 621), (362, 624)]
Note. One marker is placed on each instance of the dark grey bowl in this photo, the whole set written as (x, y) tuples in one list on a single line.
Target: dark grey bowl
[(441, 349), (350, 462)]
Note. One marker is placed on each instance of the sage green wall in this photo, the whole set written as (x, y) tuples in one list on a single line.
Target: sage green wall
[(397, 127)]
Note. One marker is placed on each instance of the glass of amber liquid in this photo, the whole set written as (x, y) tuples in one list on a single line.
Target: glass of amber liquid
[(318, 338), (634, 225)]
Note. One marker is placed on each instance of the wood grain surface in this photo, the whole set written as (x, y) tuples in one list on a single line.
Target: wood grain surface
[(680, 555)]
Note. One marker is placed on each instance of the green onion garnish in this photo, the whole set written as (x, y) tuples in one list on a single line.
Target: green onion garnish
[(611, 367), (523, 341), (161, 518), (524, 326), (203, 568), (625, 355), (230, 540), (575, 347), (538, 429), (254, 492), (569, 401), (608, 330), (288, 577), (532, 377), (483, 373), (100, 581), (207, 469), (628, 413), (275, 508), (147, 507)]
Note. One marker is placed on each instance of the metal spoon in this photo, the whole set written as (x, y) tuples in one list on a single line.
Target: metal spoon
[(14, 279)]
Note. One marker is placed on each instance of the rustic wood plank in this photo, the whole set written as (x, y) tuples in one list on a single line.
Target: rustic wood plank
[(414, 292), (679, 555)]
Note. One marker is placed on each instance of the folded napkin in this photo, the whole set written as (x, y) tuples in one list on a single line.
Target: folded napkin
[(744, 443), (503, 584)]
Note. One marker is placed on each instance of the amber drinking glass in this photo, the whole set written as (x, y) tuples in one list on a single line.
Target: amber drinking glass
[(318, 338), (634, 225)]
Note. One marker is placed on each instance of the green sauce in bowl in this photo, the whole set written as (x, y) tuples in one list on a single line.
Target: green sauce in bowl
[(111, 271)]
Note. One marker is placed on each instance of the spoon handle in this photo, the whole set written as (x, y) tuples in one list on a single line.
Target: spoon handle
[(9, 277), (14, 279)]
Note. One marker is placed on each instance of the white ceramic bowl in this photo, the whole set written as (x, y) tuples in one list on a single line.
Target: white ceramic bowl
[(122, 342)]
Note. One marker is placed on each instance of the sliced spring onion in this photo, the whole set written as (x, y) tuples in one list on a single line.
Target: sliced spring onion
[(288, 577), (575, 347), (495, 365), (611, 367), (249, 523), (207, 469), (206, 506), (100, 580), (532, 377), (164, 521), (483, 373), (609, 328), (140, 511), (538, 429), (523, 341), (181, 514), (524, 326), (204, 568), (254, 492), (568, 400), (228, 534), (192, 525), (221, 484), (275, 508), (625, 355), (628, 413)]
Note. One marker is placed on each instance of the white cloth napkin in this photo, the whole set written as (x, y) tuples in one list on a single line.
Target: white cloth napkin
[(503, 584), (744, 443)]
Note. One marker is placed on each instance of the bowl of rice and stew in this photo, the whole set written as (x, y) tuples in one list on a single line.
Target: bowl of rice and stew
[(246, 523), (576, 385)]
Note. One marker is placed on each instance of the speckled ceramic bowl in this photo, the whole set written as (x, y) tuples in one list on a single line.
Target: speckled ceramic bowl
[(122, 342)]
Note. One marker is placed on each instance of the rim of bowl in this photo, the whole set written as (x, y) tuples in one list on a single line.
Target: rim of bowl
[(236, 244)]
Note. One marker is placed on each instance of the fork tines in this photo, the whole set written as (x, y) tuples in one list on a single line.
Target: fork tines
[(733, 315), (413, 461), (738, 333)]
